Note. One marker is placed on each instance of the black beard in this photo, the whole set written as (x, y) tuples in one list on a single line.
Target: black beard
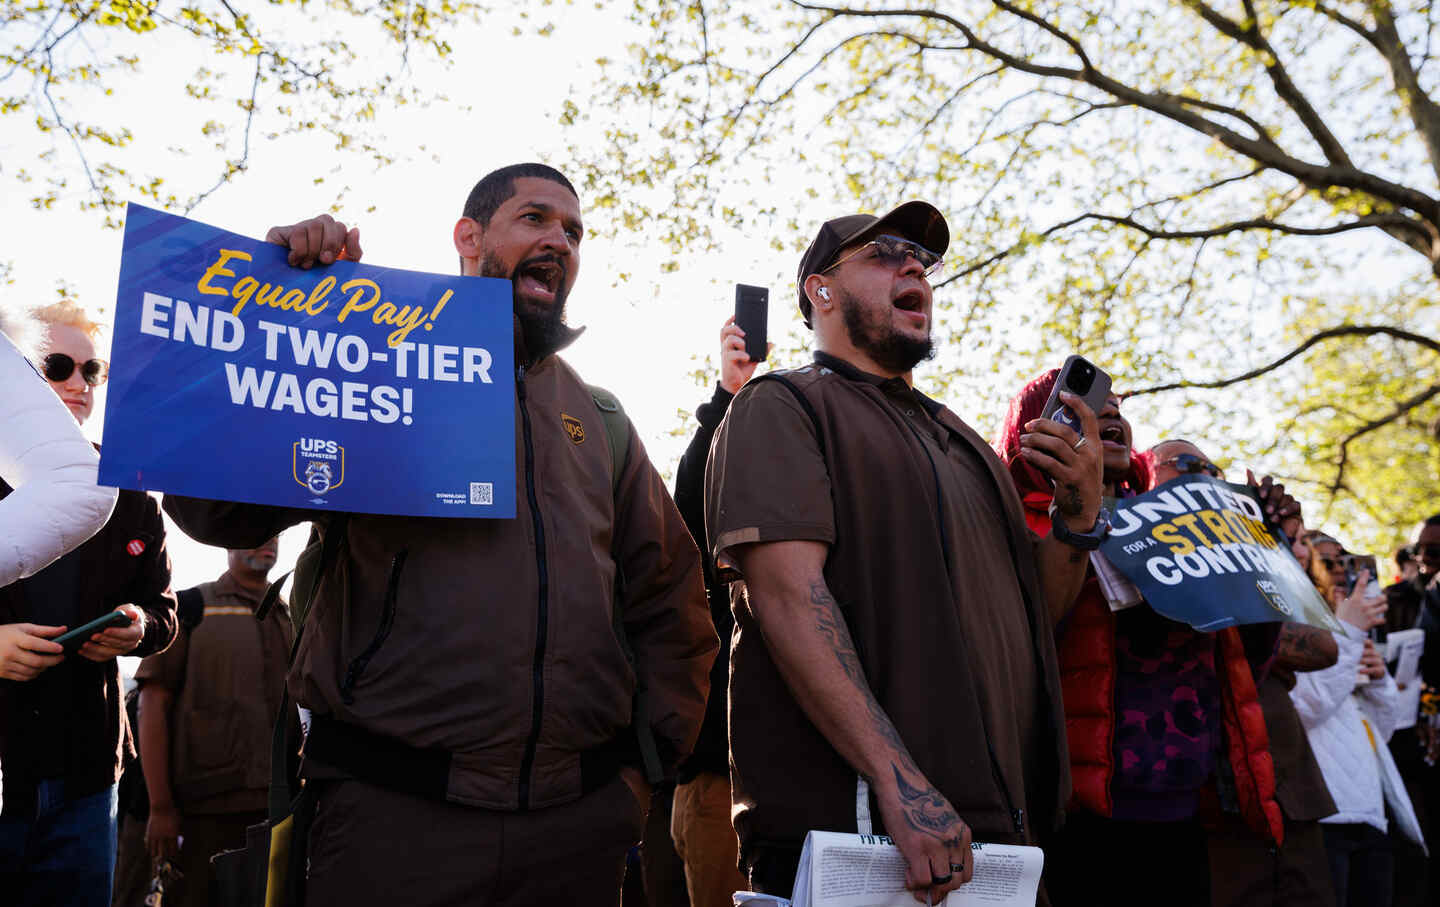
[(542, 327), (890, 349)]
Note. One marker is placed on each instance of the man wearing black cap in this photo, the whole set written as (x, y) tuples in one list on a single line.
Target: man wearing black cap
[(893, 667)]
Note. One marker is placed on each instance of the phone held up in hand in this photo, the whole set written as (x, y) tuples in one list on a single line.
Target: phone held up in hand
[(1082, 378), (1354, 564), (752, 307)]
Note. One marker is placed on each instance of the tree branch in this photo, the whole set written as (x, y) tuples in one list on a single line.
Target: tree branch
[(234, 167), (1382, 221), (1424, 113), (1251, 36), (1258, 148), (1342, 459), (1349, 330)]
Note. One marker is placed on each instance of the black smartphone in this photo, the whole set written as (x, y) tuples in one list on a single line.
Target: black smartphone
[(752, 312), (72, 640), (1082, 378)]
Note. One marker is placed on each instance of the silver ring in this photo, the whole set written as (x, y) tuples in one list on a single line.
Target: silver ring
[(1079, 444), (957, 867)]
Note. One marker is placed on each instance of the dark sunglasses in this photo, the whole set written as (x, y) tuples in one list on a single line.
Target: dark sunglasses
[(1429, 552), (1190, 464), (892, 251), (1332, 563), (59, 367)]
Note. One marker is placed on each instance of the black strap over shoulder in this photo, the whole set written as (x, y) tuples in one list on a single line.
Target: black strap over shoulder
[(617, 432), (799, 396)]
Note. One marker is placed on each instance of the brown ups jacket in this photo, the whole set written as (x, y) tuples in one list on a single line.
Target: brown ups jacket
[(491, 643), (934, 568)]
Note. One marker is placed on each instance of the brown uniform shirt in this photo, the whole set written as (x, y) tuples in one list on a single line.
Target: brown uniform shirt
[(931, 562), (227, 676)]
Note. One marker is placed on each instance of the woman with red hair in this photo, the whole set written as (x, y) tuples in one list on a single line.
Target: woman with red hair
[(1162, 721)]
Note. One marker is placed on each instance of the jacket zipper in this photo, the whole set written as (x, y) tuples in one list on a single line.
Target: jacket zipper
[(387, 620), (537, 678)]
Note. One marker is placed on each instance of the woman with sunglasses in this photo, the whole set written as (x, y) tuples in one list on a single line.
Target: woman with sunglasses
[(62, 728), (56, 504)]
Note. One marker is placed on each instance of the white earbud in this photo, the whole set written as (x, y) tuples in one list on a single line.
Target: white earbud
[(824, 292)]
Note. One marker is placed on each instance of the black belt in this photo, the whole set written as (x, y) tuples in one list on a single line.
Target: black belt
[(388, 763)]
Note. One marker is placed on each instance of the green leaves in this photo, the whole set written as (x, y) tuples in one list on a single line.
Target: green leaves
[(1142, 211), (58, 58)]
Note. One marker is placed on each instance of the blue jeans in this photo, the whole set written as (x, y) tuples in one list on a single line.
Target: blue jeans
[(63, 854)]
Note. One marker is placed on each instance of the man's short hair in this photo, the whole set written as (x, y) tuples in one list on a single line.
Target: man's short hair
[(497, 186), (1403, 556)]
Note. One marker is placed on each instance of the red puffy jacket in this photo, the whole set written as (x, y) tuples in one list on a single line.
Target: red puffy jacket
[(1085, 641)]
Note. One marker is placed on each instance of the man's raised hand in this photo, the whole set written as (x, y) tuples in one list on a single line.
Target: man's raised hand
[(736, 366), (319, 240), (1281, 509)]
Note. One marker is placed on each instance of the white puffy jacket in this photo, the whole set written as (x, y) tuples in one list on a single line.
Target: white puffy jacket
[(1356, 764), (55, 504)]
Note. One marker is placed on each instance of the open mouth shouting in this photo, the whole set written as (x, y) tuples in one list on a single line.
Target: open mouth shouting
[(1112, 436), (911, 303), (540, 279)]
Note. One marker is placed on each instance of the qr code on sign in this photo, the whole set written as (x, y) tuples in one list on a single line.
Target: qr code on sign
[(482, 493)]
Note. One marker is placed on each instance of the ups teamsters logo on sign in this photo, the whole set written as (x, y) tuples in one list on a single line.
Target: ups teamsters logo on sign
[(318, 464), (573, 428)]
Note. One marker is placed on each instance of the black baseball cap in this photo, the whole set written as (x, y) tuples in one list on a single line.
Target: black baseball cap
[(918, 222)]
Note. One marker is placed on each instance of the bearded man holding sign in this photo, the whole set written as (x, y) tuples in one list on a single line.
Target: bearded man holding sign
[(471, 694)]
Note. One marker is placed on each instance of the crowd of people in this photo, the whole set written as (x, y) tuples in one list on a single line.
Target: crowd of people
[(855, 615)]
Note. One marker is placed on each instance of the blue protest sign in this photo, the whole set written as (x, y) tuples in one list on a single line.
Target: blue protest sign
[(1200, 551), (353, 388)]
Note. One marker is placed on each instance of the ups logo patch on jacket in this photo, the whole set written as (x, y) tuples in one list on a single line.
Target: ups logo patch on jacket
[(573, 428)]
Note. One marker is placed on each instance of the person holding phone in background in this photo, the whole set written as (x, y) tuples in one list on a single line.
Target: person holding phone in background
[(700, 821), (62, 725)]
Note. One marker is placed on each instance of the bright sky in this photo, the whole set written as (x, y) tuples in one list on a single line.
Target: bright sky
[(641, 335), (505, 92)]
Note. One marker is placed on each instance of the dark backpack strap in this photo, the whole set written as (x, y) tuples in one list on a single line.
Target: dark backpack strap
[(271, 596), (801, 398), (190, 608), (617, 431)]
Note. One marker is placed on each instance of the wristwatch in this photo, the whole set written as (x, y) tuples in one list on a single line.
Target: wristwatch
[(1085, 541)]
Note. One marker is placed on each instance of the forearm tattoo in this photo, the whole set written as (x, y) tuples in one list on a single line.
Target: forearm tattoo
[(1305, 648), (831, 624)]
